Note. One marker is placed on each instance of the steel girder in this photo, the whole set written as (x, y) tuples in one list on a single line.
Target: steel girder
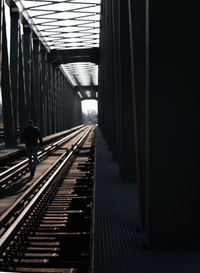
[(8, 115), (155, 65), (32, 87), (116, 99)]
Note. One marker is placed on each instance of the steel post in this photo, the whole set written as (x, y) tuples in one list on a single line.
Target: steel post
[(22, 90), (8, 118), (14, 66)]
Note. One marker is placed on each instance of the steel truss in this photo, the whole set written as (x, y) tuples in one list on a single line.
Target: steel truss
[(32, 86), (68, 29)]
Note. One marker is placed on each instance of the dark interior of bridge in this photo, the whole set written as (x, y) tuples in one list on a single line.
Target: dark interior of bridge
[(140, 61)]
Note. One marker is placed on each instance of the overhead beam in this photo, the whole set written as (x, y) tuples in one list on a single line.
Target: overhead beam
[(91, 88), (26, 20), (74, 55), (92, 98)]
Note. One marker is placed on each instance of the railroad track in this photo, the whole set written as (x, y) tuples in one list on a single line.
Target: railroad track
[(10, 175), (12, 159), (15, 181), (49, 227)]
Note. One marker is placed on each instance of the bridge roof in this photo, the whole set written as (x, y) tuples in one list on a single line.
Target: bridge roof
[(64, 24), (66, 27)]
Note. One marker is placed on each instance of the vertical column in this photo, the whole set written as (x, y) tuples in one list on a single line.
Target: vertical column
[(22, 91), (33, 97), (7, 104), (73, 110), (66, 93), (107, 101), (127, 126), (80, 119), (53, 100), (115, 23), (173, 127), (116, 96), (56, 99), (112, 107), (49, 83), (137, 22), (27, 66), (68, 98), (14, 65), (70, 106), (63, 103), (1, 34), (36, 75), (44, 85), (106, 92), (42, 90), (76, 110), (59, 100), (57, 90), (45, 91)]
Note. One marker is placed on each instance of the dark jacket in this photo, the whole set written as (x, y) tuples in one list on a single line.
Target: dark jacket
[(31, 135)]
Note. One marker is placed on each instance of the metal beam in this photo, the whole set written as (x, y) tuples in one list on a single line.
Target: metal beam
[(43, 89), (22, 90), (6, 91), (74, 55), (14, 66), (91, 88), (36, 77), (27, 67), (92, 98)]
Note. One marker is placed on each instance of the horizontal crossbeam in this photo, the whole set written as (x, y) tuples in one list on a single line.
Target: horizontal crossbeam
[(74, 55), (91, 88)]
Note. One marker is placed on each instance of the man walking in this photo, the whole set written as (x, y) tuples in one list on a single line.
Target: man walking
[(30, 137)]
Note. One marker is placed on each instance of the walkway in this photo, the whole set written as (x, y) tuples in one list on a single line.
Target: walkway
[(117, 243)]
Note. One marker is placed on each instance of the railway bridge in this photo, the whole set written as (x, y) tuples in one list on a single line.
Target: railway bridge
[(139, 60)]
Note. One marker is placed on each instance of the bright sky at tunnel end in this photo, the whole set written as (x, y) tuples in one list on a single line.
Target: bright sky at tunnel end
[(89, 105)]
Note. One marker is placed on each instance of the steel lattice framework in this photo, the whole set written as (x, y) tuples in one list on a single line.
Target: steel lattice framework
[(67, 25), (64, 24)]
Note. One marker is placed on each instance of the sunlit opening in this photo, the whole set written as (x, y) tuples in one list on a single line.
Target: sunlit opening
[(90, 111)]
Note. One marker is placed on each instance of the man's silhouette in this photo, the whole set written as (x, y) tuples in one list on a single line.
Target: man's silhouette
[(30, 137)]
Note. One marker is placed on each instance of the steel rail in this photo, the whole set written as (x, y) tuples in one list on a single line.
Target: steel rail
[(19, 202), (3, 174), (14, 171), (14, 227)]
